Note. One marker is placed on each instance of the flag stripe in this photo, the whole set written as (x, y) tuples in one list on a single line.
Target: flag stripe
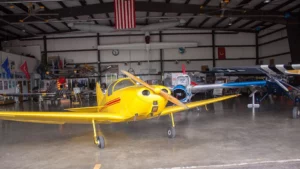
[(125, 14)]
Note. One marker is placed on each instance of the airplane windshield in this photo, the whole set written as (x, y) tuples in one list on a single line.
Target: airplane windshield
[(122, 84), (182, 80)]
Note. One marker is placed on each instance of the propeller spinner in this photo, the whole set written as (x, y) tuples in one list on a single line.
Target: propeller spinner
[(156, 90)]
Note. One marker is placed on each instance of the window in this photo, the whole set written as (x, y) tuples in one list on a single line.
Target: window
[(109, 90), (122, 84)]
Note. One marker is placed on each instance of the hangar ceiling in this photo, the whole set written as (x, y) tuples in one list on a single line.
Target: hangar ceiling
[(237, 15)]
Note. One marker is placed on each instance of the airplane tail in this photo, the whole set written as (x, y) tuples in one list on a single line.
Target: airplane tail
[(99, 94)]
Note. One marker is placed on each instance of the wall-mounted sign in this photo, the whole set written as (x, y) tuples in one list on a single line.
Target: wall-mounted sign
[(181, 50), (115, 52)]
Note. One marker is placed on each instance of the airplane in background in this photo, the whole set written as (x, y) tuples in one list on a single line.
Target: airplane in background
[(184, 88), (277, 80), (124, 101)]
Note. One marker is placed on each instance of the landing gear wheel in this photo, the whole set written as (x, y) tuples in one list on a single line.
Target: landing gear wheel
[(295, 112), (100, 142), (171, 132)]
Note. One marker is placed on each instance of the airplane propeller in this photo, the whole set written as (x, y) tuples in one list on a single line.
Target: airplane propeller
[(156, 90)]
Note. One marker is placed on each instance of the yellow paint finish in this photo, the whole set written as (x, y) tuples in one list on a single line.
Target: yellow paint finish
[(121, 105)]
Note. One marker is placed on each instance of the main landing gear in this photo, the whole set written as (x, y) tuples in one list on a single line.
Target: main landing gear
[(98, 140), (171, 130)]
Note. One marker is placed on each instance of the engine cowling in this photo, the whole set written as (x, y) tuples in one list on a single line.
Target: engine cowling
[(180, 92)]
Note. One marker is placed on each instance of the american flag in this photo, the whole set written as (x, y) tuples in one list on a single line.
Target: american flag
[(125, 14)]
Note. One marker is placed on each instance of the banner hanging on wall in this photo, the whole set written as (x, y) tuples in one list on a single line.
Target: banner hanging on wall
[(24, 69), (5, 66), (221, 53)]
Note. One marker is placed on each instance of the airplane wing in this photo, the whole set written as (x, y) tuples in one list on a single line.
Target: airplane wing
[(260, 70), (175, 109), (62, 117), (27, 94), (198, 88), (85, 109)]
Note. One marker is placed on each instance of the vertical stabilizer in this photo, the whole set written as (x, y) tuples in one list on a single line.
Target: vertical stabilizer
[(99, 94)]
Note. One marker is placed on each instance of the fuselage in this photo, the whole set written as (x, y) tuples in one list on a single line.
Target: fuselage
[(134, 101)]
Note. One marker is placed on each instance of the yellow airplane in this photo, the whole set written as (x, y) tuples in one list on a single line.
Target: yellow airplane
[(124, 101)]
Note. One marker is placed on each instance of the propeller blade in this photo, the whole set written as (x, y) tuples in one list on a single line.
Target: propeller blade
[(160, 92)]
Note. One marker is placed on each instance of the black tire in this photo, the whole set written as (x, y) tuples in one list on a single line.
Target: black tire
[(101, 142), (295, 112), (171, 132)]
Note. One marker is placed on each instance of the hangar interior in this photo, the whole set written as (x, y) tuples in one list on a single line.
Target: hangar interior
[(180, 54)]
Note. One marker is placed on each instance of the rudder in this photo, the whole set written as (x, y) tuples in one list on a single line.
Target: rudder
[(99, 94)]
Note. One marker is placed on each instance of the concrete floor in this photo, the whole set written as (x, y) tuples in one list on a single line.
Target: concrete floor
[(229, 137)]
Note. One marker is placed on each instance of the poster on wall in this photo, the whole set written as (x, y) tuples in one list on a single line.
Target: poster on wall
[(221, 53), (5, 85), (9, 85), (1, 85)]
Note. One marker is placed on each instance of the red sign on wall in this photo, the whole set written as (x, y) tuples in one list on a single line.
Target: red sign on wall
[(221, 53)]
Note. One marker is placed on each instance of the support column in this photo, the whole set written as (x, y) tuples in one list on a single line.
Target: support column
[(213, 48), (98, 57), (256, 49), (45, 54), (293, 32), (161, 54)]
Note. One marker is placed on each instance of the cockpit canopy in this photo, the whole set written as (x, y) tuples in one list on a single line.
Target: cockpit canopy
[(119, 84)]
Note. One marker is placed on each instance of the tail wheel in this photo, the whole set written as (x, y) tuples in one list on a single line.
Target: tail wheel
[(100, 142), (295, 112)]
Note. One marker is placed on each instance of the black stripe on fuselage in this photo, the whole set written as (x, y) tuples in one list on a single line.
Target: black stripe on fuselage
[(274, 69), (288, 67)]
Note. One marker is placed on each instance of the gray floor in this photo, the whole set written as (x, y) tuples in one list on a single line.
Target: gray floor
[(229, 137)]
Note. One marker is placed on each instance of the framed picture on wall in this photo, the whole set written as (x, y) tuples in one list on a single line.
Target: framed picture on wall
[(9, 84), (5, 85), (1, 85)]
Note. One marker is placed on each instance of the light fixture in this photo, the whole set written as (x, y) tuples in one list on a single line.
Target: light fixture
[(23, 30), (230, 22), (267, 1)]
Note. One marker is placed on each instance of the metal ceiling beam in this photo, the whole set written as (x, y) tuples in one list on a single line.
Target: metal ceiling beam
[(239, 6), (221, 29), (47, 9), (257, 7), (167, 1), (186, 2), (191, 19), (10, 32), (272, 10), (64, 6), (162, 7), (5, 37), (147, 14), (203, 22), (107, 14), (83, 3)]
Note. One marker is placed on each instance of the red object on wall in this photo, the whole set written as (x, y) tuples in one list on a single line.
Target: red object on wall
[(62, 80), (221, 53), (24, 69)]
